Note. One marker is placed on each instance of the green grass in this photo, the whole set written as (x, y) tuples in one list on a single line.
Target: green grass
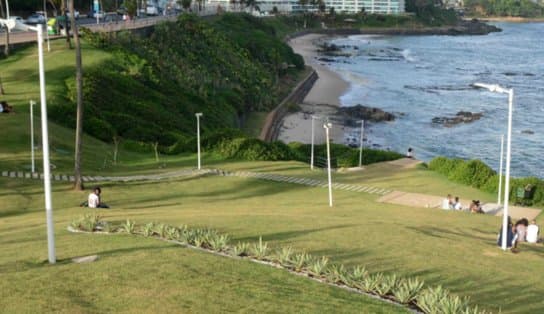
[(454, 249)]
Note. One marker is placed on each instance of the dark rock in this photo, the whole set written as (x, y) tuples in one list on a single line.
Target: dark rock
[(356, 113), (528, 132), (324, 59), (460, 117)]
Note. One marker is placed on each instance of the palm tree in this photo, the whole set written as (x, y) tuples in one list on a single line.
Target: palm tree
[(78, 185)]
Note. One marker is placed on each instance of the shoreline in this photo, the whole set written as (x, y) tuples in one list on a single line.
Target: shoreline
[(511, 19), (322, 100)]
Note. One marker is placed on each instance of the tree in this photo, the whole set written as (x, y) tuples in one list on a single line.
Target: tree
[(66, 25), (6, 47), (131, 6), (185, 4), (78, 184)]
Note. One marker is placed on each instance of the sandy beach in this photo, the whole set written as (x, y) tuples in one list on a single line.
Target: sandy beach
[(320, 101)]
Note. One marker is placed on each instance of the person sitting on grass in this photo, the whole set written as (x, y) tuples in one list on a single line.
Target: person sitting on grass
[(447, 203), (476, 207), (410, 153), (532, 232), (5, 108), (521, 229), (94, 199), (457, 205), (511, 236)]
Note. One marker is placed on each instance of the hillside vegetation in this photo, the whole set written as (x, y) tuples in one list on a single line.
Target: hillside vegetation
[(152, 87)]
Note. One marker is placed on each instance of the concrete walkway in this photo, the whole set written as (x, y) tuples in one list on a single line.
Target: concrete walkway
[(193, 172)]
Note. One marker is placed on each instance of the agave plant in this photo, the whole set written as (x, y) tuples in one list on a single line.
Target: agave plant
[(260, 249), (337, 274), (453, 304), (355, 275), (148, 229), (129, 226), (160, 229), (89, 222), (283, 256), (300, 261), (474, 310), (183, 234), (172, 233), (385, 286), (241, 249), (107, 227), (219, 243), (407, 290), (430, 299), (370, 283), (317, 267)]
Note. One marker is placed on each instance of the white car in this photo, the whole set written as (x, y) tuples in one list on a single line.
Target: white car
[(36, 18), (17, 19), (76, 14)]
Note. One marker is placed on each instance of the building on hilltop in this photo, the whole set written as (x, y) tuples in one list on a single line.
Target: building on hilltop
[(287, 6)]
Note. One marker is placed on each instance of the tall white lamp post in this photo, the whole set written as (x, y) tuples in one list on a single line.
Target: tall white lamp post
[(45, 137), (500, 170), (327, 127), (198, 115), (510, 93), (32, 103), (361, 143), (312, 141)]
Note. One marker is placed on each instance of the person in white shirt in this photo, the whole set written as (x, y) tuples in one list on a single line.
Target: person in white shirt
[(458, 205), (447, 203), (94, 199), (532, 232)]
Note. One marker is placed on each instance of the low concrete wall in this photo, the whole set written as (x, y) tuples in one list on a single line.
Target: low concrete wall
[(272, 124)]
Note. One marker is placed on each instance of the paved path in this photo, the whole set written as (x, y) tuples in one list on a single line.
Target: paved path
[(433, 201), (193, 172)]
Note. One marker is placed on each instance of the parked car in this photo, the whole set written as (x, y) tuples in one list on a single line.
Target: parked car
[(36, 18), (99, 14), (150, 10), (76, 14), (17, 19)]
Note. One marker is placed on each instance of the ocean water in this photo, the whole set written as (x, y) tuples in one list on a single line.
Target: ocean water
[(421, 77)]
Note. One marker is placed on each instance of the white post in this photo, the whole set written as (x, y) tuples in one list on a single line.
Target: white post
[(327, 126), (32, 103), (500, 170), (45, 148), (312, 141), (507, 179), (96, 9), (46, 26), (198, 115), (361, 144)]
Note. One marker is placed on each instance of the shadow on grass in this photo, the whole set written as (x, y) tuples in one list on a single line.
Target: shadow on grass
[(280, 236)]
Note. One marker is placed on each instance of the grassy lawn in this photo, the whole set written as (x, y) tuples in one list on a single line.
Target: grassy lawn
[(453, 249)]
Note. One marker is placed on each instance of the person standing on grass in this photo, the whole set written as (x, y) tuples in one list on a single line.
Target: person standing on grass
[(532, 232), (94, 199)]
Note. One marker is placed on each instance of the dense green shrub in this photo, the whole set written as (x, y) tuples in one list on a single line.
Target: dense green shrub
[(473, 172), (477, 174), (253, 149), (444, 165)]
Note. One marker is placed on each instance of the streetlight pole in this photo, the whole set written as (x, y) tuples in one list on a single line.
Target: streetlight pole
[(45, 149), (500, 170), (327, 127), (198, 115), (312, 141), (7, 10), (361, 143), (45, 138), (32, 103), (510, 93)]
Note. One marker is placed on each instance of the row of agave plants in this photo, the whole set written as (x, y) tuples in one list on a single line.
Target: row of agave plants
[(409, 292)]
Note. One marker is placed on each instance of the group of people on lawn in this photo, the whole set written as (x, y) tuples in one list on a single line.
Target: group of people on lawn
[(451, 203), (521, 231)]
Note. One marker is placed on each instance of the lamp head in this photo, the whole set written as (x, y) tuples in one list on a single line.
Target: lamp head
[(327, 125), (491, 87), (198, 114)]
